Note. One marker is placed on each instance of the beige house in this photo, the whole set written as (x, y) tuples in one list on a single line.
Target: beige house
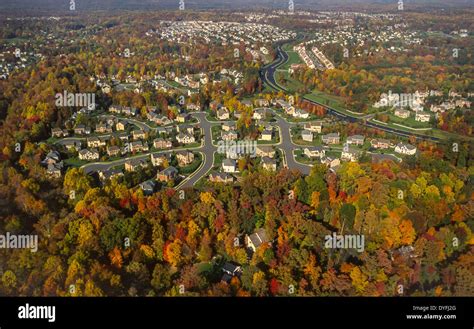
[(255, 240)]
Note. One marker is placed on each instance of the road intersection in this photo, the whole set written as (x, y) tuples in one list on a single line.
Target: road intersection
[(208, 149)]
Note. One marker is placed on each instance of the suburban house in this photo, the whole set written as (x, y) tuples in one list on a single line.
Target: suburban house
[(356, 140), (259, 114), (54, 169), (315, 127), (58, 132), (314, 152), (380, 143), (332, 138), (223, 114), (158, 159), (82, 130), (138, 134), (185, 138), (138, 146), (135, 164), (193, 107), (125, 110), (269, 164), (51, 157), (122, 136), (88, 155), (350, 155), (72, 145), (162, 131), (330, 162), (167, 174), (160, 143), (289, 109), (227, 126), (182, 117), (406, 149), (422, 117), (265, 151), (229, 135), (120, 126), (230, 270), (262, 102), (163, 121), (148, 187), (255, 240), (102, 128), (184, 158), (266, 135), (217, 177), (95, 142), (229, 166), (187, 129), (106, 88), (402, 113), (109, 174), (113, 151), (300, 114), (307, 135)]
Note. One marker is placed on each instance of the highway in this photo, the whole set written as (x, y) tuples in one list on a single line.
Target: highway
[(267, 74)]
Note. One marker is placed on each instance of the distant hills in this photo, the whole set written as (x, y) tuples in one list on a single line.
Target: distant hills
[(84, 5)]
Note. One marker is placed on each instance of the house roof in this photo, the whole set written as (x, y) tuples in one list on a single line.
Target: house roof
[(259, 237), (228, 162), (169, 171), (230, 268)]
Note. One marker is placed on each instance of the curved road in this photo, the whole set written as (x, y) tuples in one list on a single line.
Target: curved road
[(207, 149), (267, 74)]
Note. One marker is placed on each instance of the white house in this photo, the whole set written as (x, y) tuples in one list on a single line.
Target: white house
[(422, 117), (406, 149), (255, 240), (356, 140), (307, 135), (350, 155), (88, 155), (315, 127), (229, 166), (223, 114), (314, 152), (185, 138), (402, 113), (300, 114), (266, 135)]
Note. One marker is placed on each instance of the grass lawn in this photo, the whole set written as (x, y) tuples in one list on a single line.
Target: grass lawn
[(216, 133), (300, 157), (189, 169), (75, 162), (218, 158), (409, 122)]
